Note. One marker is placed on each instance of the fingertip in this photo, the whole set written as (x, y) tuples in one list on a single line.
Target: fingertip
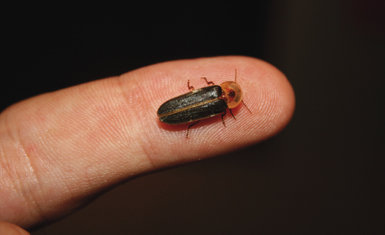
[(267, 93), (275, 101)]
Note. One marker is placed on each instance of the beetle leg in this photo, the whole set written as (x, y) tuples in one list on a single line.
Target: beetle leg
[(232, 114), (191, 88), (246, 106), (208, 82), (189, 126), (223, 121)]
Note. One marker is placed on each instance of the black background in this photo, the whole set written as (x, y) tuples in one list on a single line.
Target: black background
[(322, 175)]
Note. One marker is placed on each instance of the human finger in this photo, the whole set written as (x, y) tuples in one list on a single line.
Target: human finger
[(60, 148), (11, 229)]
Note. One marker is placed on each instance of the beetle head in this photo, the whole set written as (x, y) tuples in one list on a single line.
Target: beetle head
[(232, 93)]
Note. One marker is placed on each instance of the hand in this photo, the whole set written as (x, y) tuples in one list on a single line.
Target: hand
[(59, 149)]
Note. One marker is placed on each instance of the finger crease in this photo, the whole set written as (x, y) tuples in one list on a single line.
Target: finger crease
[(144, 143), (27, 192)]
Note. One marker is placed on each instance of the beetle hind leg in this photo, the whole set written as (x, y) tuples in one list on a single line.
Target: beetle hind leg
[(208, 82), (189, 126), (191, 88)]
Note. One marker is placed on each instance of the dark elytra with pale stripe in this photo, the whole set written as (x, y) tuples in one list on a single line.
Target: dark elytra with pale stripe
[(195, 105)]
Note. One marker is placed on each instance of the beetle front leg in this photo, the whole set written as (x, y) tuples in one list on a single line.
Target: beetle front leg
[(246, 106), (223, 121), (232, 114)]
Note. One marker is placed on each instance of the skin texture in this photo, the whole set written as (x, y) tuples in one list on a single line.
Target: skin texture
[(59, 149)]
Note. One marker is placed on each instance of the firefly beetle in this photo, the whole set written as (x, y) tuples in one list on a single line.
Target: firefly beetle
[(202, 103)]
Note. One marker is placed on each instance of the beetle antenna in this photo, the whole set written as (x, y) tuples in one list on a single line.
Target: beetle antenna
[(235, 78)]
